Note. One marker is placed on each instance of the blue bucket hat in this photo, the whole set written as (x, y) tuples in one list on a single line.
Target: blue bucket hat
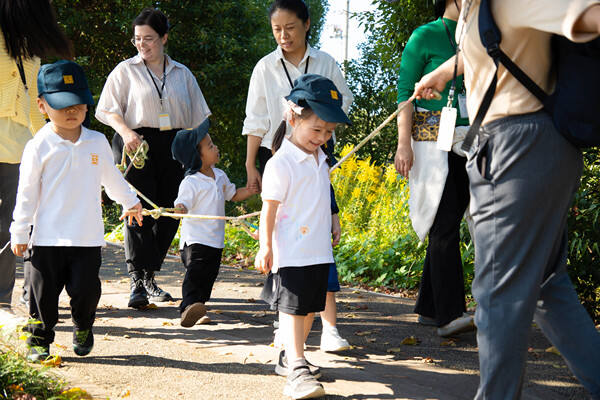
[(320, 95), (185, 147), (63, 84)]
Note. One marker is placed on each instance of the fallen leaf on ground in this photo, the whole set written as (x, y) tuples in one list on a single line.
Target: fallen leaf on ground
[(60, 346), (167, 323), (427, 360), (126, 336), (210, 338), (371, 340), (394, 350), (410, 341), (124, 280), (150, 306), (226, 353), (356, 291), (449, 342), (350, 315), (218, 311), (251, 300), (52, 361), (363, 333), (553, 350), (125, 393), (260, 314)]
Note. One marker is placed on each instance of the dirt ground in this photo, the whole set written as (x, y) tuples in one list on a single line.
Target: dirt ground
[(148, 355)]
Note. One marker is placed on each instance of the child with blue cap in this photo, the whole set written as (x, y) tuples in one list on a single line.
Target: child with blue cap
[(62, 173), (203, 191), (295, 225)]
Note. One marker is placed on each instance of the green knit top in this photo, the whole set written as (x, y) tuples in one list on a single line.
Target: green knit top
[(428, 47)]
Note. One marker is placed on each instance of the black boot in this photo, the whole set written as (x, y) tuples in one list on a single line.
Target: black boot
[(154, 292), (138, 297)]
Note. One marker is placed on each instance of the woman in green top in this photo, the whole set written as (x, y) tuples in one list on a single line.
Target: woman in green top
[(439, 187)]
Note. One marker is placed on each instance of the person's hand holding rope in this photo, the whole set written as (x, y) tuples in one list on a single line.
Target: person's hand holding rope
[(133, 212)]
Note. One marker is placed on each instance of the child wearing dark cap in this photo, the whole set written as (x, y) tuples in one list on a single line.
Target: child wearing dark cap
[(295, 223), (203, 191), (62, 171)]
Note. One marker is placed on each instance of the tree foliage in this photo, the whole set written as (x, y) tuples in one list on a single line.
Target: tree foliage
[(219, 41)]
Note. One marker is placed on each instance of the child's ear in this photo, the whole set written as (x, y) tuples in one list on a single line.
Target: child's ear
[(41, 106), (294, 120)]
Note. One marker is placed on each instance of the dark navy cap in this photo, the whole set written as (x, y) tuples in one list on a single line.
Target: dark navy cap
[(63, 84), (185, 147), (321, 95)]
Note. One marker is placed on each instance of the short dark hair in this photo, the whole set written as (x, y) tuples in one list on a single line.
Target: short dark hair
[(30, 29), (439, 8), (154, 18), (298, 7)]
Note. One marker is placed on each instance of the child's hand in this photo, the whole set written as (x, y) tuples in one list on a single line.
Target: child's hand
[(255, 235), (253, 189), (336, 230), (264, 260), (181, 209), (133, 212), (18, 249)]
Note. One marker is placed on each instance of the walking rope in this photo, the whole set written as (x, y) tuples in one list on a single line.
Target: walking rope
[(139, 157)]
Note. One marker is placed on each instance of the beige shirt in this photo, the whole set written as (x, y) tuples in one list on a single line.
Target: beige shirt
[(130, 93), (526, 27)]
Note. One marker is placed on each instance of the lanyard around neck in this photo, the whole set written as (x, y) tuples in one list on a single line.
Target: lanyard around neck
[(164, 79), (288, 74), (22, 72), (452, 42)]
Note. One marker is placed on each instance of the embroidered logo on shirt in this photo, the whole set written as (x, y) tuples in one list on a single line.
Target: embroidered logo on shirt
[(334, 94), (94, 159), (304, 230), (68, 79)]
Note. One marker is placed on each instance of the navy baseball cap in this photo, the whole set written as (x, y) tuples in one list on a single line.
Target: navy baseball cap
[(63, 84), (321, 95), (185, 144)]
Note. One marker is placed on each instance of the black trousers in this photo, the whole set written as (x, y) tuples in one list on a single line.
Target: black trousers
[(442, 290), (146, 246), (52, 269), (201, 269), (9, 180)]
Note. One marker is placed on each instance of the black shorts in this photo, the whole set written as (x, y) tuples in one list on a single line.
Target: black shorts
[(297, 290)]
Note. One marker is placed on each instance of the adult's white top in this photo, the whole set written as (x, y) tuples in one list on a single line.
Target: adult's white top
[(302, 232), (130, 93), (60, 184), (269, 85), (203, 195)]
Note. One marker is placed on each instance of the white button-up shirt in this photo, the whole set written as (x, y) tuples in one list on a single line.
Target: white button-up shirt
[(269, 85), (203, 195), (302, 232), (130, 93), (60, 184)]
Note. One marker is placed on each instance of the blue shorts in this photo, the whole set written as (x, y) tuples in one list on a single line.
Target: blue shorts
[(333, 284)]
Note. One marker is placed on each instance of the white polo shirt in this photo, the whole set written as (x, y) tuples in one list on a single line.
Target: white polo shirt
[(269, 85), (302, 232), (60, 184), (203, 195)]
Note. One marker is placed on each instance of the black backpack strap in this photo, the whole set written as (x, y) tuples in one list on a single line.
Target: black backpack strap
[(490, 38)]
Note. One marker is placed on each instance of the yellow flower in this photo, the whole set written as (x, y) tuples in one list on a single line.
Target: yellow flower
[(356, 192)]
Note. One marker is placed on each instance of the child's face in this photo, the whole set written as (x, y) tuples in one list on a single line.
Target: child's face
[(311, 133), (209, 152), (65, 119)]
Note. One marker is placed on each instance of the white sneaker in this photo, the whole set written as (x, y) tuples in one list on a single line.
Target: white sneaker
[(459, 325), (331, 340)]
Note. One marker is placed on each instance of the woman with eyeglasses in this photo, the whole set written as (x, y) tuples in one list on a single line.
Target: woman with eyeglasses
[(149, 98)]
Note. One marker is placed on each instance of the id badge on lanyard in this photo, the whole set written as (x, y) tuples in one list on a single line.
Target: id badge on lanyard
[(164, 121)]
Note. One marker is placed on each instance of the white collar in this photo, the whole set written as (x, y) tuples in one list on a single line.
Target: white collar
[(300, 155), (309, 52), (137, 59)]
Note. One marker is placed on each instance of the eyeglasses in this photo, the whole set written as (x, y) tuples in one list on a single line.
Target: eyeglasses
[(140, 40)]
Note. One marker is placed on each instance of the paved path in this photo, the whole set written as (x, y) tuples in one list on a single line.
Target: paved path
[(148, 355)]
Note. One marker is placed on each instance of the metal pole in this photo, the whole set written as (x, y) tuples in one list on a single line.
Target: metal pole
[(347, 34)]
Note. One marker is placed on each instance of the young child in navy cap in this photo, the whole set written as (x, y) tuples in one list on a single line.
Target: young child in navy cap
[(203, 191), (62, 173), (295, 223)]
